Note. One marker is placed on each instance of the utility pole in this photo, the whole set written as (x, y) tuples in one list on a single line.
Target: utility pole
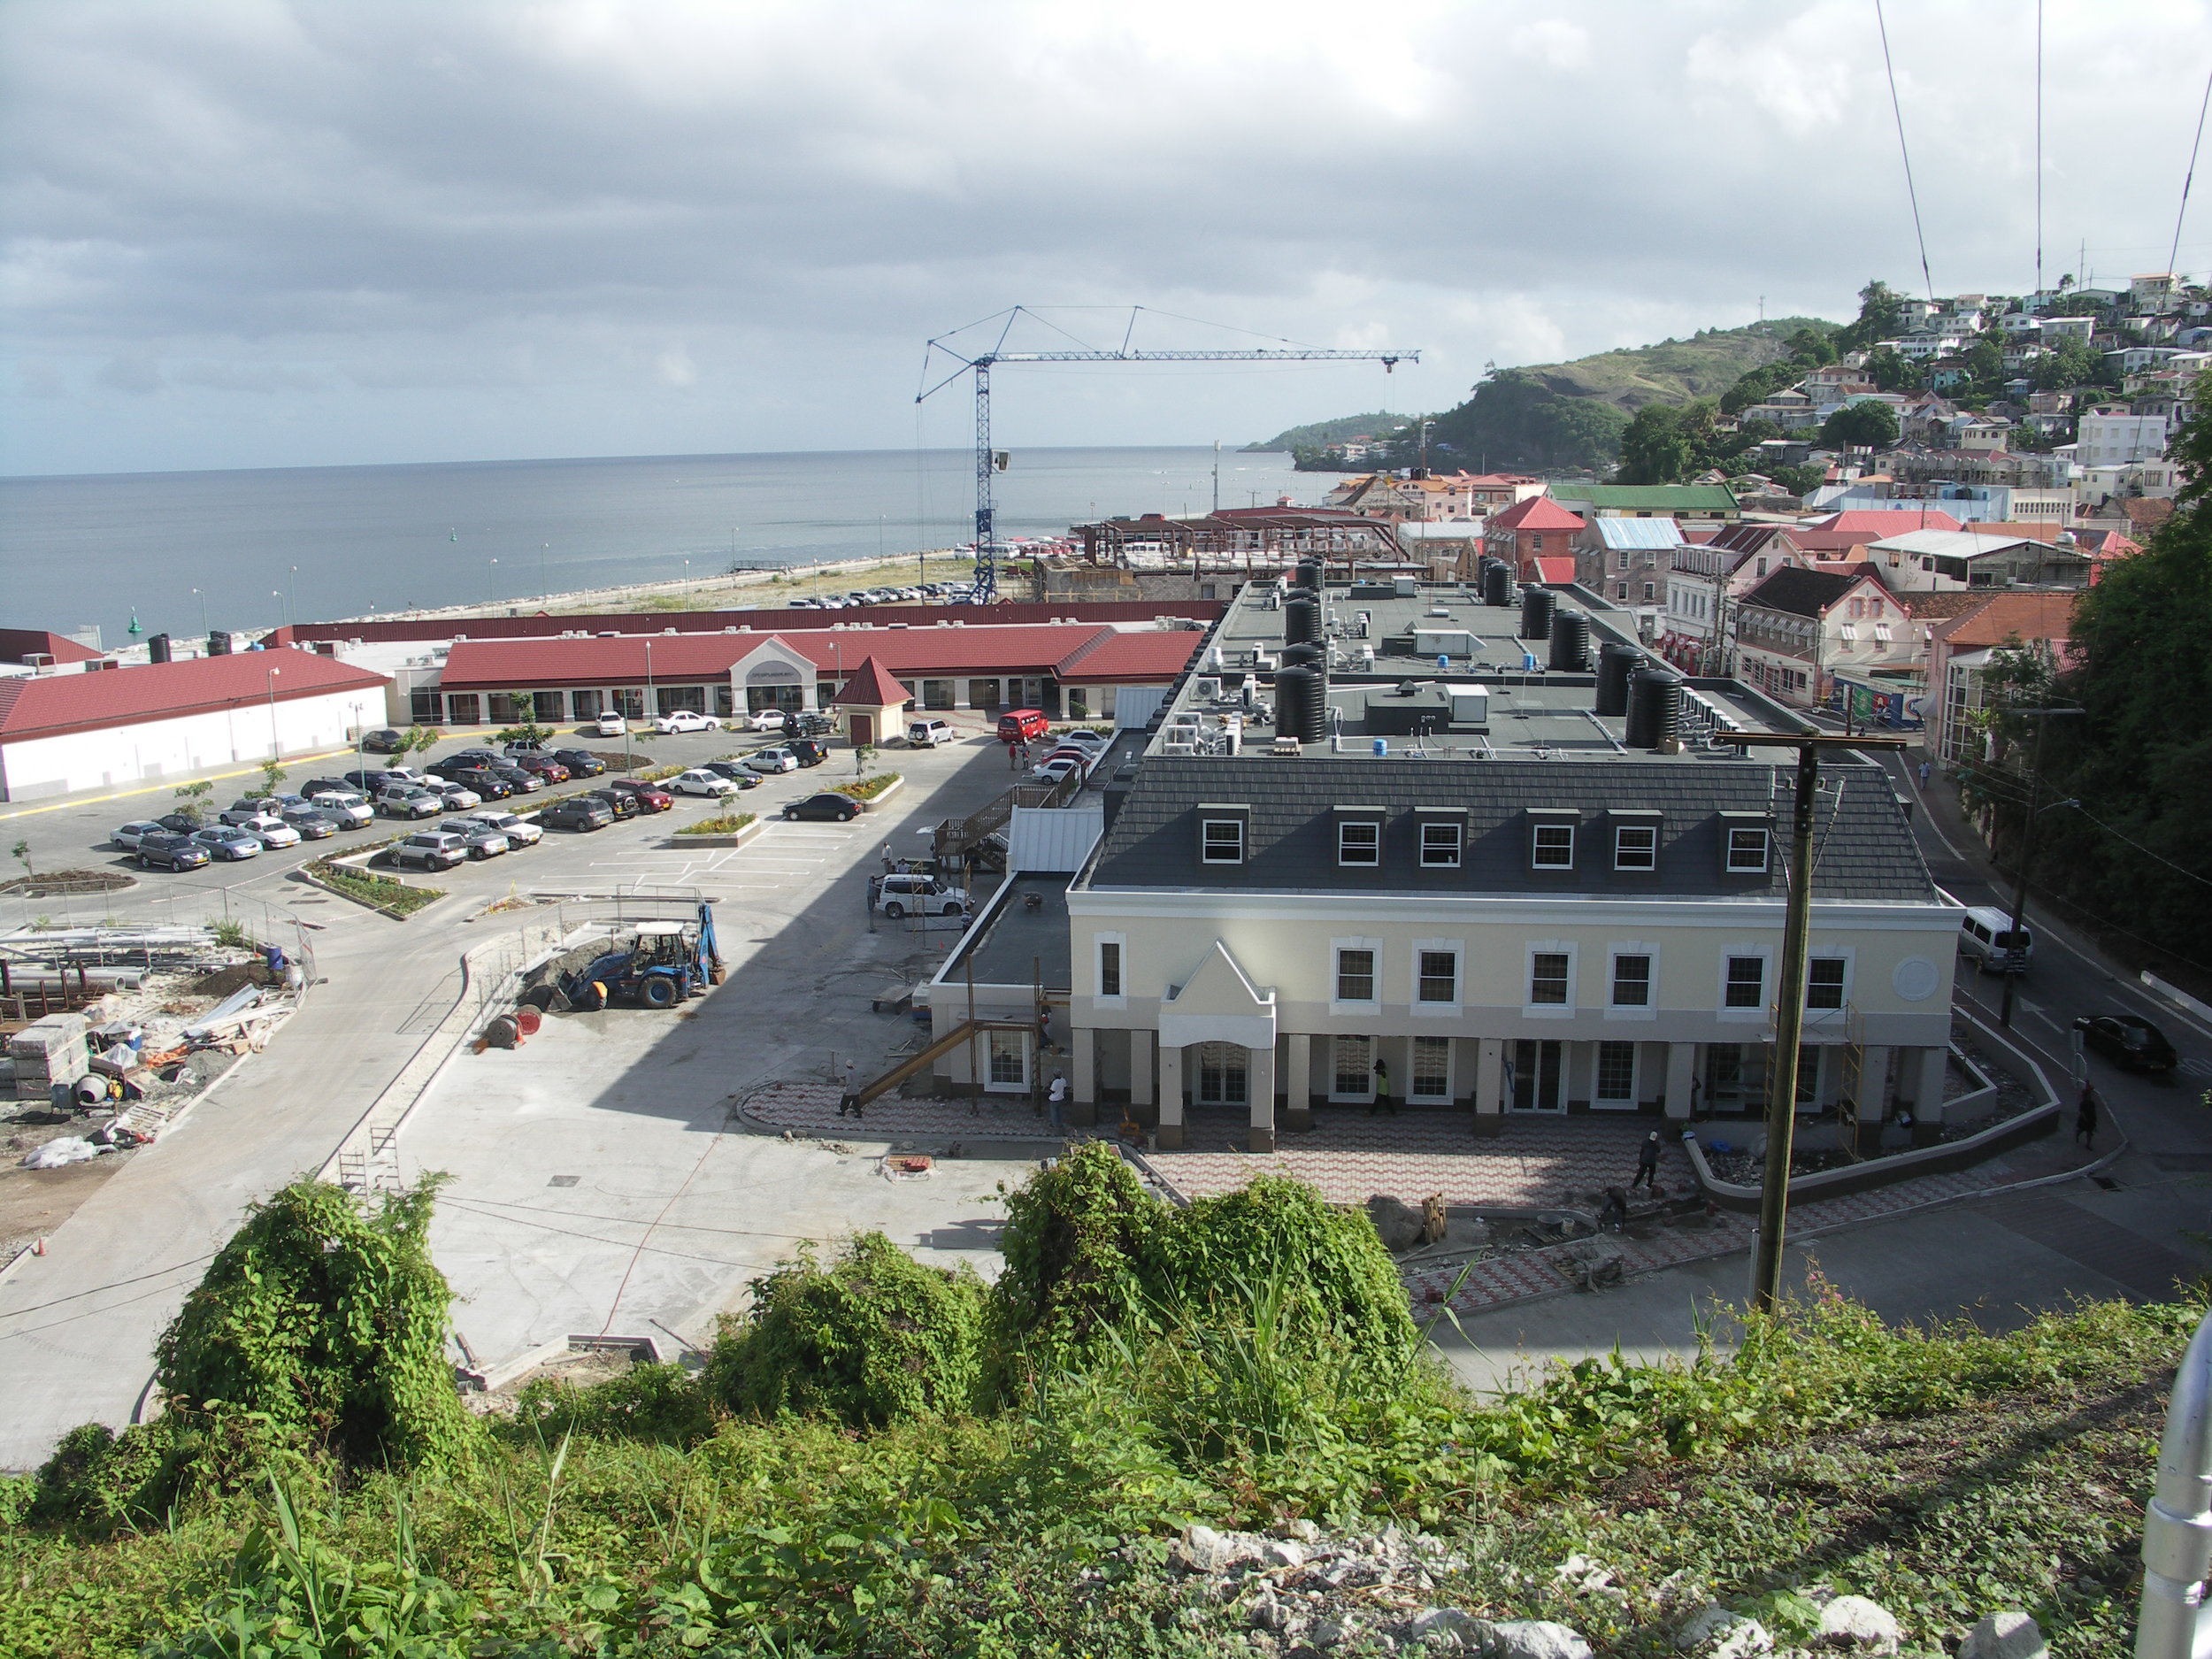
[(1789, 1019), (2027, 846)]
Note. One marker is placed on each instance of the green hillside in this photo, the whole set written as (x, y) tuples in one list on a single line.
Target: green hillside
[(1561, 415), (1322, 434)]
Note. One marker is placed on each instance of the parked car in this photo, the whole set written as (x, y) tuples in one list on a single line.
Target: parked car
[(520, 832), (128, 835), (1083, 738), (413, 800), (164, 850), (840, 809), (543, 766), (310, 823), (483, 780), (457, 796), (348, 809), (807, 751), (386, 741), (181, 823), (473, 757), (517, 779), (2129, 1041), (481, 840), (610, 725), (374, 783), (1988, 939), (1022, 725), (699, 780), (928, 733), (622, 805), (246, 814), (222, 842), (1053, 770), (804, 604), (524, 746), (1084, 757), (777, 759), (687, 720), (581, 763), (650, 797), (764, 720), (578, 812), (734, 773), (428, 850), (273, 832), (921, 895)]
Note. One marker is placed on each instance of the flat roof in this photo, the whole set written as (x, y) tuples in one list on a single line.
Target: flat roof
[(1024, 932)]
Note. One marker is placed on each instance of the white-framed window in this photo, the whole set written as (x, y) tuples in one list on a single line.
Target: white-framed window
[(1351, 1069), (1635, 847), (1615, 1085), (1551, 846), (1007, 1063), (1221, 841), (1356, 975), (1111, 951), (1440, 842), (1747, 851), (1746, 972), (1436, 976), (1431, 1079), (1550, 980), (1632, 987), (1827, 980), (1359, 840)]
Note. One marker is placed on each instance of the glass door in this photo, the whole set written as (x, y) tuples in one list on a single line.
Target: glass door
[(1221, 1074), (1533, 1076)]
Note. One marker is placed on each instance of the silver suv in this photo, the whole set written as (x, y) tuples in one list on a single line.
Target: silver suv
[(922, 895), (429, 849)]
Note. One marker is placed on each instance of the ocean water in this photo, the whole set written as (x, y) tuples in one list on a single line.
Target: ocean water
[(307, 543)]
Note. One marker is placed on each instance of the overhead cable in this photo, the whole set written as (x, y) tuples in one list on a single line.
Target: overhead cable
[(1898, 110)]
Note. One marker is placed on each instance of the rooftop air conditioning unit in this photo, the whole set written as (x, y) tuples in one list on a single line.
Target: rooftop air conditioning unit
[(1206, 688), (1172, 747)]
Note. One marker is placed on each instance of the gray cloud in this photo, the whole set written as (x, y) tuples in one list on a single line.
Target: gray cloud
[(687, 225)]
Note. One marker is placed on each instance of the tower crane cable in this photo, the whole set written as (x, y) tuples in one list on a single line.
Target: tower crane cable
[(989, 462), (1903, 150), (2190, 177)]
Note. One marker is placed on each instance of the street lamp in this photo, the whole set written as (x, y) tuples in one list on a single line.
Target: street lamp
[(491, 574), (277, 594), (202, 599), (291, 593), (276, 743)]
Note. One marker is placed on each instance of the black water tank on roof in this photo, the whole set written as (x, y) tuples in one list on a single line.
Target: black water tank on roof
[(1497, 585), (1570, 643), (1301, 705), (1654, 708), (1309, 575), (1301, 657), (1536, 613), (157, 649), (1300, 622), (1615, 663)]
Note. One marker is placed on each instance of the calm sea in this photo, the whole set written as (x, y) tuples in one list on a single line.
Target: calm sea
[(313, 542)]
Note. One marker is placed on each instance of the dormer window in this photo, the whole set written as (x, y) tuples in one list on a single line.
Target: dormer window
[(1552, 840), (1635, 840), (1222, 832), (1359, 842), (1443, 837), (1745, 843)]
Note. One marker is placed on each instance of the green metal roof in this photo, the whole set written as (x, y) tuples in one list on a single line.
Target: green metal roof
[(1651, 497)]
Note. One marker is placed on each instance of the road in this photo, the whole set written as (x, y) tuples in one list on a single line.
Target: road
[(77, 1325), (2128, 1231)]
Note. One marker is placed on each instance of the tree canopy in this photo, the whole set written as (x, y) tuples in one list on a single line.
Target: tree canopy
[(1859, 425)]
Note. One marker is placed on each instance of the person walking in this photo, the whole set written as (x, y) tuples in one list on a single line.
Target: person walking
[(1925, 770), (2085, 1118), (850, 1100), (1382, 1091), (1057, 1098), (1647, 1163)]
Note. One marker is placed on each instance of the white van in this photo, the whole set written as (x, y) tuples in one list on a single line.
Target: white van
[(1987, 938)]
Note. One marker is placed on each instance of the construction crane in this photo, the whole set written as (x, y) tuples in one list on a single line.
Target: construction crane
[(987, 461)]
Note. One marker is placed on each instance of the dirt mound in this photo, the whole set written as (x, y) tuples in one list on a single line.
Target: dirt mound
[(223, 981)]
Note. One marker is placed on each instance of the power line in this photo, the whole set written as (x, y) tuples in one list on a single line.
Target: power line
[(2130, 841), (1898, 110), (2190, 177)]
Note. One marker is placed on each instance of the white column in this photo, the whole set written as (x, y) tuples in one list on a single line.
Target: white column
[(1298, 1081), (1927, 1093), (1141, 1067), (1490, 1087), (1259, 1088), (1083, 1076), (1681, 1069), (1171, 1098)]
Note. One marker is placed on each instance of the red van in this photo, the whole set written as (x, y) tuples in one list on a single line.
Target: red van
[(1022, 725)]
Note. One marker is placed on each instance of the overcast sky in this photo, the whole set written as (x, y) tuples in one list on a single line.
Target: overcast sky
[(243, 232)]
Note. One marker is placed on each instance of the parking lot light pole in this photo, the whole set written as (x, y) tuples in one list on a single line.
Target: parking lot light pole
[(1789, 1019)]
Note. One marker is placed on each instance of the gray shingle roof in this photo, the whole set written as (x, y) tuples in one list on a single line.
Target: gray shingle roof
[(1866, 850)]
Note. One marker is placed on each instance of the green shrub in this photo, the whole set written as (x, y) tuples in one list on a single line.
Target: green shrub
[(328, 1319), (100, 1481), (866, 788), (875, 1338), (662, 1403)]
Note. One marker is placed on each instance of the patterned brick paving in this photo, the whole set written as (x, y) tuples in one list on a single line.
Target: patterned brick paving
[(1538, 1164)]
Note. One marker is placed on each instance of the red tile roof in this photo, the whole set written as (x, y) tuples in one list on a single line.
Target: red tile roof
[(53, 706), (1034, 650), (1154, 655), (1538, 512), (1879, 524), (873, 687), (1555, 572), (18, 643), (2037, 616), (505, 664)]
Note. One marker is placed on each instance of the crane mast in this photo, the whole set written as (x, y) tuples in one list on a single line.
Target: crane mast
[(980, 364)]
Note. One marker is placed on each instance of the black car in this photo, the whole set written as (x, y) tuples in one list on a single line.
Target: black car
[(578, 812), (806, 724), (385, 742), (519, 780), (182, 823), (483, 780), (810, 752), (2129, 1041), (314, 787), (581, 763), (734, 773), (621, 805), (171, 851), (840, 809)]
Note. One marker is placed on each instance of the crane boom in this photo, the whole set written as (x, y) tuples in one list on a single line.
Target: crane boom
[(980, 363)]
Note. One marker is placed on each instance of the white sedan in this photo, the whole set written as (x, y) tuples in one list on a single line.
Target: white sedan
[(764, 720), (610, 725), (697, 782), (778, 759), (687, 720)]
